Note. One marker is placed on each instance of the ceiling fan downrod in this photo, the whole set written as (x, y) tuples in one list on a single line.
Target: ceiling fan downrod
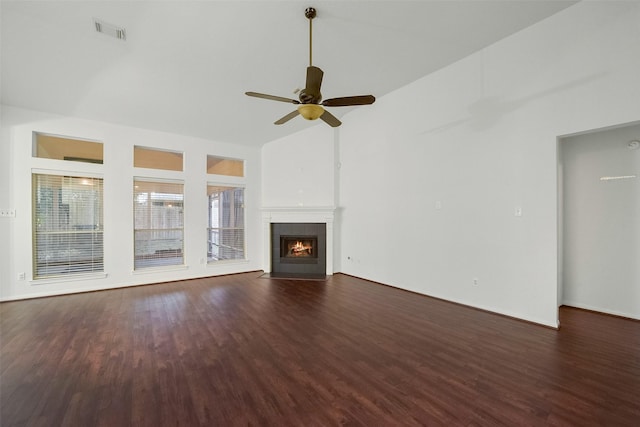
[(310, 13)]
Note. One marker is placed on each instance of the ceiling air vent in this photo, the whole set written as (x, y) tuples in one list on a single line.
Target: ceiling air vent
[(109, 29)]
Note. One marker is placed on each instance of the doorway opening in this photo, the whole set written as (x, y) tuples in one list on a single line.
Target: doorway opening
[(599, 220)]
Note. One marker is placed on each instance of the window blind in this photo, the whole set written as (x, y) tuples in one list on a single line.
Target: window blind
[(158, 223), (68, 225), (225, 234)]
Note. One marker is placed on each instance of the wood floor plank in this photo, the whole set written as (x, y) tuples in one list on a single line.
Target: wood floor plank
[(243, 350)]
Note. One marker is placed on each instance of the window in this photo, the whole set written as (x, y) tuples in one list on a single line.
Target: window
[(225, 235), (61, 148), (68, 225), (221, 166), (152, 158), (158, 223)]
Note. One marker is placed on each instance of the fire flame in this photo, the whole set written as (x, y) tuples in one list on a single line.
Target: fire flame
[(299, 249)]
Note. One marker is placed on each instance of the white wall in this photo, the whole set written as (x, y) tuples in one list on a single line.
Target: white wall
[(298, 170), (17, 164), (601, 236), (480, 138), (6, 196)]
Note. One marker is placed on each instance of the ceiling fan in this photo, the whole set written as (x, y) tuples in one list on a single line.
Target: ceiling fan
[(310, 103)]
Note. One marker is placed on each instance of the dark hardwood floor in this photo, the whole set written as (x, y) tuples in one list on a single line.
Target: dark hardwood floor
[(240, 350)]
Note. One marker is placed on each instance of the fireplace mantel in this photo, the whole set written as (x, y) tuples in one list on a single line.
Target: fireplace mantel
[(297, 214)]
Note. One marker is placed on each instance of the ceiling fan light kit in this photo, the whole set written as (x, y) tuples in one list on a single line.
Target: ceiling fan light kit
[(310, 106), (310, 111)]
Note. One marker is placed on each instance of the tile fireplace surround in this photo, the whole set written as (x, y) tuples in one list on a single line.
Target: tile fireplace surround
[(322, 215)]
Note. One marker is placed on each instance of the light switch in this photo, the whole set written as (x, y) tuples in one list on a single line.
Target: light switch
[(9, 213)]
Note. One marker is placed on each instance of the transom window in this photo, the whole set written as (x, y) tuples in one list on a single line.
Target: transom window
[(65, 148), (153, 158), (223, 166)]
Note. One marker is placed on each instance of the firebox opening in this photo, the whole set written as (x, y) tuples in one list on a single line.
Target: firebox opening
[(298, 247)]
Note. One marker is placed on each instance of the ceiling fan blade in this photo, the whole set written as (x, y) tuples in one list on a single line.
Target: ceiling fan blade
[(330, 119), (314, 80), (286, 118), (272, 97), (347, 101)]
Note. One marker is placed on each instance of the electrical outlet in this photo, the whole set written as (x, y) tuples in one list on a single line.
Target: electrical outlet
[(21, 276), (8, 213), (517, 211), (475, 281)]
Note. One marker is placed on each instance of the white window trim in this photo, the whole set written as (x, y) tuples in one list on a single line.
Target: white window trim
[(48, 280)]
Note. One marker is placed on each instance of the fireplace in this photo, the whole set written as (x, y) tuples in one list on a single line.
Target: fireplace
[(298, 249), (302, 223), (294, 248)]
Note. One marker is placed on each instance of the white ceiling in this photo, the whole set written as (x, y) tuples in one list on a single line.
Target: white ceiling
[(185, 65)]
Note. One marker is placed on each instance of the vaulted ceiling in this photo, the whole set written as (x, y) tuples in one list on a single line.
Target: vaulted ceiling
[(185, 65)]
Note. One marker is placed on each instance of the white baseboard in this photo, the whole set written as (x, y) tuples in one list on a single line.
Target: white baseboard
[(635, 316)]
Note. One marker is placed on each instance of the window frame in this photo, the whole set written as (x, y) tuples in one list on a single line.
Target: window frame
[(71, 274), (239, 162), (210, 229), (74, 154), (138, 265), (145, 163)]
